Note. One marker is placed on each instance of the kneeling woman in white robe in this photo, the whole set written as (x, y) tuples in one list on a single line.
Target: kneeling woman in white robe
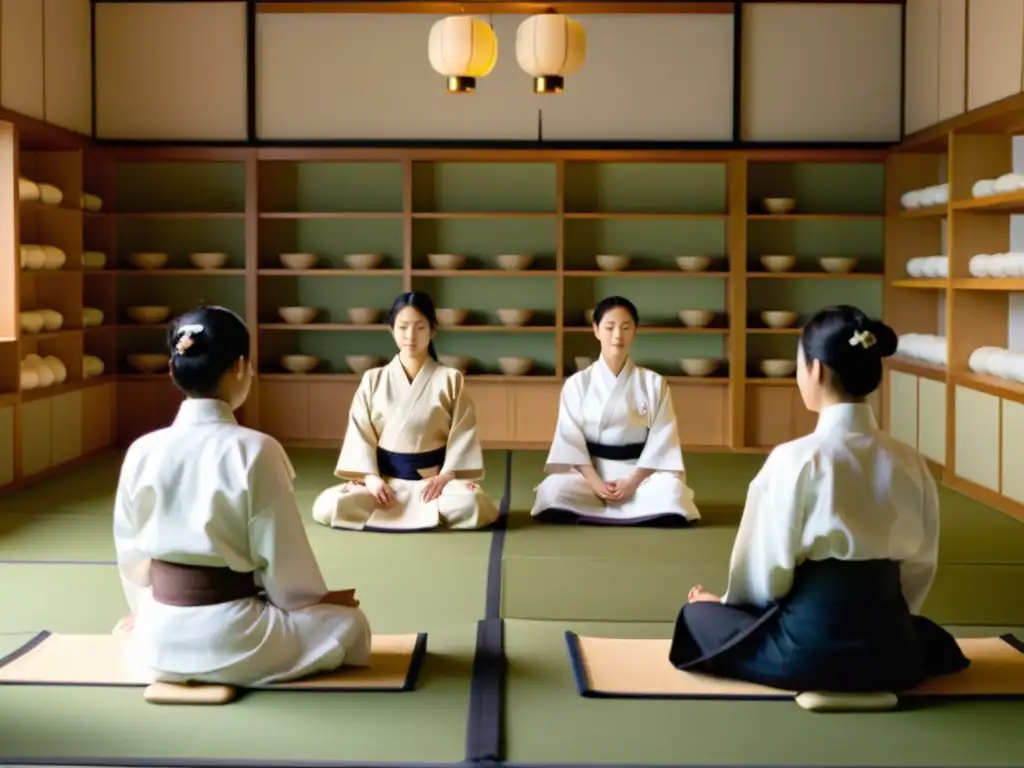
[(411, 454), (838, 544), (615, 457), (217, 570)]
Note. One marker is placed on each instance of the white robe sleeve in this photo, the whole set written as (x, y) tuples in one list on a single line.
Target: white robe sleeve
[(569, 446), (359, 448), (464, 458), (917, 573), (132, 563), (662, 451), (285, 565), (764, 555)]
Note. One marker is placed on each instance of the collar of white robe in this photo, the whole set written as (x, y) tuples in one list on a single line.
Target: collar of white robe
[(202, 410), (850, 417)]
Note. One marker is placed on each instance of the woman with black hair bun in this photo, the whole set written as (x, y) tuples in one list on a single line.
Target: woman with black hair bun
[(219, 576), (411, 458), (838, 545), (615, 458)]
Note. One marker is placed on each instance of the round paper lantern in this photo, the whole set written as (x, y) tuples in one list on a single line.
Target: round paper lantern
[(462, 48), (550, 46)]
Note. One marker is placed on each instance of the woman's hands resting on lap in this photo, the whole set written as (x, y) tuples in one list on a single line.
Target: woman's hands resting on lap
[(434, 485), (380, 490), (700, 595)]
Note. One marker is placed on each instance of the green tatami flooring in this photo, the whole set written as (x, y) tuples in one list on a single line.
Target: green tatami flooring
[(57, 574)]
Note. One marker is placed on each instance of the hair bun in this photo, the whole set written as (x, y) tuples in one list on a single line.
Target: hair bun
[(886, 339)]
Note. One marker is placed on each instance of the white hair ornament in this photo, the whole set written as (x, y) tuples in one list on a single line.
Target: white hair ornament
[(865, 339)]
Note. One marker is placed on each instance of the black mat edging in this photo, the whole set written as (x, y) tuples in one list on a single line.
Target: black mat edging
[(486, 719)]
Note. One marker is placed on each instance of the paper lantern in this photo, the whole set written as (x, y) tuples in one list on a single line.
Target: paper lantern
[(462, 48), (550, 46)]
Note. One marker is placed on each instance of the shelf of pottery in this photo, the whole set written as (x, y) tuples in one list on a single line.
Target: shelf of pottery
[(51, 312), (178, 240)]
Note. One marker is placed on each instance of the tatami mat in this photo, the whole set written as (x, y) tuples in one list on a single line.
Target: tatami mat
[(546, 717)]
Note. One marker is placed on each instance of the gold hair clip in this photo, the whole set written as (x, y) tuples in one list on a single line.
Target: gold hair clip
[(865, 339), (185, 340)]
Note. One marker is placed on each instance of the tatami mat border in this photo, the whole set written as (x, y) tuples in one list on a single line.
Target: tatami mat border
[(156, 762)]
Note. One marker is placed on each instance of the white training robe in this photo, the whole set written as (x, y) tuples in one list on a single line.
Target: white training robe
[(428, 413), (206, 491), (600, 407), (847, 491)]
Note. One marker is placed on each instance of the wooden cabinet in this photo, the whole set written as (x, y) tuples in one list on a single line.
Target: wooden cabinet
[(931, 418), (59, 429), (65, 427), (776, 414), (7, 445), (995, 30), (36, 437), (977, 437), (99, 417), (903, 407), (935, 71), (144, 405), (952, 51), (1012, 451), (21, 57), (702, 413)]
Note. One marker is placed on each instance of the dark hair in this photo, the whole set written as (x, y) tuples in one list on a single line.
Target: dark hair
[(607, 304), (204, 343), (851, 345), (423, 304)]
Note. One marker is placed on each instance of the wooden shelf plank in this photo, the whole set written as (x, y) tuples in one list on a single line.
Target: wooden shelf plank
[(1010, 284), (1009, 202), (917, 367), (991, 385), (921, 283), (925, 212)]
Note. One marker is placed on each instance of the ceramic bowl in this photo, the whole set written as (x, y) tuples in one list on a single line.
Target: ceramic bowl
[(583, 363), (778, 368), (698, 366), (299, 363), (696, 318), (298, 260), (458, 362), (779, 205), (693, 263), (363, 315), (361, 260), (52, 319), (778, 318), (148, 315), (612, 262), (148, 260), (513, 262), (361, 363), (837, 264), (450, 317), (515, 366), (445, 260), (208, 260), (92, 366), (778, 263), (148, 363), (514, 317), (297, 315)]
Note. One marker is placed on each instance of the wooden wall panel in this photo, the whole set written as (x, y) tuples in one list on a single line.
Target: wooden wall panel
[(99, 417), (171, 71), (66, 427), (903, 407), (6, 446), (952, 75), (994, 49), (1013, 449), (931, 428), (36, 437), (828, 71), (68, 64), (921, 77), (21, 57), (646, 77)]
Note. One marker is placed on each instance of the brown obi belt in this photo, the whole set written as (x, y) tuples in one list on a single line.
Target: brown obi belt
[(197, 585)]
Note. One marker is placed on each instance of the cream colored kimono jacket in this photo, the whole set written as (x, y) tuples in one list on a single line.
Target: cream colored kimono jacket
[(206, 491), (404, 432), (602, 409)]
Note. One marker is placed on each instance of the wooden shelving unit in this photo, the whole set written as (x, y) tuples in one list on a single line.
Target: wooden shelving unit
[(967, 422), (562, 208), (56, 404)]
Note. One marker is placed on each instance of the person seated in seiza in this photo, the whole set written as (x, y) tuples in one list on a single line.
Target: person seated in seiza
[(217, 570), (616, 456), (837, 547), (411, 456)]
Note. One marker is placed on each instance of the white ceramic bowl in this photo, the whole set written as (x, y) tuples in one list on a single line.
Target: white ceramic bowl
[(779, 205), (148, 363), (149, 315), (779, 318), (458, 362), (298, 260), (778, 368), (451, 317), (445, 260), (837, 265), (515, 366), (299, 363), (696, 318), (361, 363), (693, 263), (148, 260), (362, 260), (208, 260), (777, 263), (612, 262), (297, 315), (514, 317), (363, 315), (513, 262), (698, 366)]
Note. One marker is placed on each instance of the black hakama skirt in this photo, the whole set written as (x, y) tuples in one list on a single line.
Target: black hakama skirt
[(843, 627)]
